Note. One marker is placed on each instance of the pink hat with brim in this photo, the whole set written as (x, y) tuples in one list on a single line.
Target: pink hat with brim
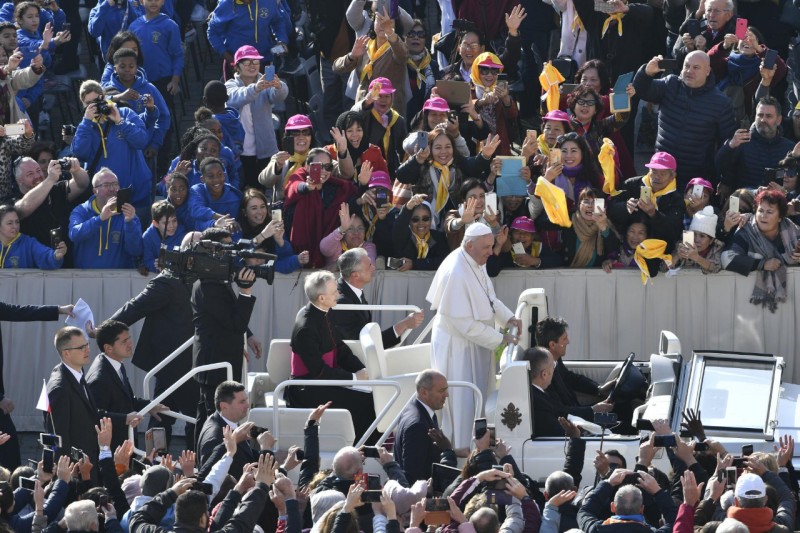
[(380, 179), (386, 85), (298, 122), (246, 52), (488, 62), (557, 115), (436, 103), (523, 224), (700, 181), (662, 161)]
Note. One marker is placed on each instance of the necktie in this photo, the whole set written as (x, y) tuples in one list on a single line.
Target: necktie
[(435, 421), (85, 389), (363, 300), (125, 381)]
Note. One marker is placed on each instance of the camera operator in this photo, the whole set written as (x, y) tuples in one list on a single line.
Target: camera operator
[(220, 322), (44, 202), (114, 137)]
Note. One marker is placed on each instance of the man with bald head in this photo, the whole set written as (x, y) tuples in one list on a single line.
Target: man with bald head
[(465, 328), (695, 117)]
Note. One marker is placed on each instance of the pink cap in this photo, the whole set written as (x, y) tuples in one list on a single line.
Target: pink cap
[(298, 122), (662, 161), (386, 85), (246, 52), (700, 181), (436, 103), (489, 62), (380, 178), (557, 115), (523, 224)]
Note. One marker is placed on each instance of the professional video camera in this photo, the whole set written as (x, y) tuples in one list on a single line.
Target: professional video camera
[(215, 260)]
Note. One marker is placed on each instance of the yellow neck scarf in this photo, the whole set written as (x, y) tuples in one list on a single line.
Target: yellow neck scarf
[(422, 245), (426, 60), (393, 116), (344, 245), (613, 16), (555, 202), (443, 188), (606, 158), (577, 24), (297, 160), (543, 147), (374, 53), (4, 250), (650, 249), (671, 186), (108, 229), (475, 73), (549, 79)]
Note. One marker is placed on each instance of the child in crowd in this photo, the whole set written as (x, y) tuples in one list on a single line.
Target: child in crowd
[(165, 229), (705, 251), (215, 98)]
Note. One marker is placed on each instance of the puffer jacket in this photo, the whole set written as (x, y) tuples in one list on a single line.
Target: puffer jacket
[(744, 165)]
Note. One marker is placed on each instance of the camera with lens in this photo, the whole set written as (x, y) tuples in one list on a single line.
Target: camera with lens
[(210, 260), (68, 129), (103, 106), (65, 165)]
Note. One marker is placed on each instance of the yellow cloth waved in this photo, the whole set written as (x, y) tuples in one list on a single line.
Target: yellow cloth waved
[(443, 188), (671, 186), (374, 53), (474, 73), (650, 249), (613, 16), (606, 159), (549, 79), (555, 202)]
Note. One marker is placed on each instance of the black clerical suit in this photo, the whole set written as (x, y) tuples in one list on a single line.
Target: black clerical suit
[(9, 452), (211, 438), (546, 410), (165, 304), (564, 386), (113, 396), (73, 413), (414, 450), (313, 336), (348, 324)]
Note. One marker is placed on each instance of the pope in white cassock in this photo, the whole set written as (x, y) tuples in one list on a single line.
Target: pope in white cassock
[(465, 328)]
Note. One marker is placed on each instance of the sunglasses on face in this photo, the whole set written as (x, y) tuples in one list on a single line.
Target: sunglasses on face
[(486, 71), (249, 62), (298, 133), (326, 166), (419, 34), (471, 46), (416, 220), (585, 102)]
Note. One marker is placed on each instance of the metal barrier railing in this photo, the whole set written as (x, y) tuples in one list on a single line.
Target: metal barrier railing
[(167, 360)]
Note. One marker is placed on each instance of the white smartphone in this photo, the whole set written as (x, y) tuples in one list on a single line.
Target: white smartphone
[(688, 238), (491, 201), (277, 215), (599, 205), (697, 191), (14, 129), (518, 248), (733, 205)]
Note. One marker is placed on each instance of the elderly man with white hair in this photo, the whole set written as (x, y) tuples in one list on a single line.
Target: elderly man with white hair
[(465, 328)]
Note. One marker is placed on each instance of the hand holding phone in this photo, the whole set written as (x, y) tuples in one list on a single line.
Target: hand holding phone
[(315, 173), (269, 73)]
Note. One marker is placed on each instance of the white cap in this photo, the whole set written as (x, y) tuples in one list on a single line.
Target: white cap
[(750, 486), (477, 229), (705, 221)]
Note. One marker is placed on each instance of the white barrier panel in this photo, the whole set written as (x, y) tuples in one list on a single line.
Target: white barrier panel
[(610, 315)]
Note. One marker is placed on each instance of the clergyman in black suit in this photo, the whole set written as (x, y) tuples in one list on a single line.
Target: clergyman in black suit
[(232, 405), (546, 406), (419, 441), (109, 384), (73, 413), (9, 452), (356, 269)]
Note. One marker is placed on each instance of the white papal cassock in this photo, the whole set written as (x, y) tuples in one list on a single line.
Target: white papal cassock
[(465, 335)]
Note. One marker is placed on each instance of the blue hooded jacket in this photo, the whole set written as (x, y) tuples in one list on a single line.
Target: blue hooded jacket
[(106, 21), (121, 151), (186, 220), (27, 252), (112, 243), (233, 132), (161, 46), (46, 16), (142, 86), (202, 207), (151, 243), (234, 25)]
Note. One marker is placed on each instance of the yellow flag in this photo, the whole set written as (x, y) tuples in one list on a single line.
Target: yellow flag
[(555, 202), (650, 249)]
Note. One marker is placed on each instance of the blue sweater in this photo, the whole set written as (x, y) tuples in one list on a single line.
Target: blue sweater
[(232, 26), (106, 21), (233, 132), (187, 221), (163, 120), (151, 243), (161, 46), (124, 143), (113, 243), (744, 166), (202, 207), (27, 252)]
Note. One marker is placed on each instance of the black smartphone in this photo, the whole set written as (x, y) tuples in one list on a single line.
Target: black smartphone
[(381, 197), (606, 419), (288, 144), (422, 140), (48, 459), (701, 446), (739, 462), (371, 496), (371, 451), (27, 483), (50, 439), (747, 449), (770, 58), (373, 482), (481, 427), (124, 197), (631, 479), (436, 504), (664, 441), (255, 431), (770, 175), (443, 476), (452, 115), (55, 237), (644, 425), (668, 64), (76, 454), (205, 488), (102, 500), (693, 28), (300, 454)]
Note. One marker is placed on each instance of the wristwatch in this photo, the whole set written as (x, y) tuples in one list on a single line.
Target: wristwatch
[(105, 448)]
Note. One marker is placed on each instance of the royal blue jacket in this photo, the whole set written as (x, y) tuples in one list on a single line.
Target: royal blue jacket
[(161, 46), (162, 120), (124, 143), (27, 252), (193, 175), (232, 130), (26, 42), (152, 241), (234, 25), (112, 243), (46, 16), (186, 219), (202, 207), (106, 21)]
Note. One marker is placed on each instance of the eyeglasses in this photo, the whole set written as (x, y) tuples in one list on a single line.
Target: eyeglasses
[(416, 220), (326, 166), (488, 71), (109, 185), (297, 133), (585, 102), (249, 62), (571, 136), (470, 46), (419, 34), (81, 347)]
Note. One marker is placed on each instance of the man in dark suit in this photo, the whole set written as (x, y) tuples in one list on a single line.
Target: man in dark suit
[(165, 304), (220, 320), (418, 440), (545, 406), (73, 413), (9, 452), (108, 381), (551, 333), (232, 406), (356, 269)]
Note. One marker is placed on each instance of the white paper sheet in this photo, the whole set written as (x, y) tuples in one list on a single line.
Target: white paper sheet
[(83, 313)]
